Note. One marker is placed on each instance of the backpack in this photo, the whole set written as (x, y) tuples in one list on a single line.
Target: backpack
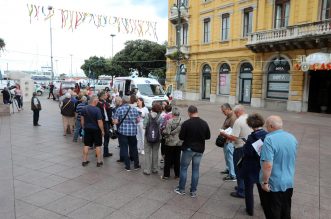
[(153, 130)]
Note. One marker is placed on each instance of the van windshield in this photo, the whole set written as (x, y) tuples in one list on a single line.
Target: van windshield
[(150, 89)]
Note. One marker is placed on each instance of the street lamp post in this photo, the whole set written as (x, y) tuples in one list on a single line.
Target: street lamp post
[(112, 44), (179, 9), (50, 8)]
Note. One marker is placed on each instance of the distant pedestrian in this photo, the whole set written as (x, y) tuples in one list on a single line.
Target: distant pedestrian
[(19, 97), (68, 113), (51, 90), (5, 95), (172, 144), (228, 147), (80, 107), (91, 121), (278, 156), (126, 117), (251, 160), (35, 107), (239, 135), (193, 133), (152, 125)]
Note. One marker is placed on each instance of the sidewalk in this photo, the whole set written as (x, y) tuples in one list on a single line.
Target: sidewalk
[(41, 174)]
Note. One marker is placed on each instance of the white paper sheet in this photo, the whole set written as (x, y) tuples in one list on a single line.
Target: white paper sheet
[(227, 131), (258, 146)]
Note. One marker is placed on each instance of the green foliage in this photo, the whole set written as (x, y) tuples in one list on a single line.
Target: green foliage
[(2, 44), (141, 55), (94, 66)]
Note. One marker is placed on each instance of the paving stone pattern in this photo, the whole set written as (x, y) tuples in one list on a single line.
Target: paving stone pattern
[(41, 174)]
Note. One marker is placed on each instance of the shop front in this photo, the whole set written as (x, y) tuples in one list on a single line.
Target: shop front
[(245, 83)]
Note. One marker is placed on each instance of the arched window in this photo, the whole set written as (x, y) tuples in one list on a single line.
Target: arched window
[(278, 79), (224, 79), (206, 69)]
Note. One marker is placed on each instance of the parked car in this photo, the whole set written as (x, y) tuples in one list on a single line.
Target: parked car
[(61, 88), (39, 89)]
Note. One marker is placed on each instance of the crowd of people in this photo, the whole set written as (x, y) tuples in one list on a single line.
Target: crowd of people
[(256, 151)]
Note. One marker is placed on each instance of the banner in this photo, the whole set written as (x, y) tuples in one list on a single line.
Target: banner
[(71, 20)]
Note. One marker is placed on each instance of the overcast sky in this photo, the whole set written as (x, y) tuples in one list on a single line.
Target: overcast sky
[(28, 45)]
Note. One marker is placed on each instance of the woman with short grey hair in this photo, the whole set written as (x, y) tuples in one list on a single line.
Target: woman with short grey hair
[(172, 144)]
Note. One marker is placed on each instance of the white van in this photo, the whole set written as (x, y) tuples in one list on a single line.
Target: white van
[(148, 89)]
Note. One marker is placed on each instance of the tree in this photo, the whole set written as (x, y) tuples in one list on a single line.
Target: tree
[(2, 44), (94, 66), (141, 55)]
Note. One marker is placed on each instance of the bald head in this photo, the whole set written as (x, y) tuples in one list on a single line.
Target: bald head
[(239, 110), (274, 123)]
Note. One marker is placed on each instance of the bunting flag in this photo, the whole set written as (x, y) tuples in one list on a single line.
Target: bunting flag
[(71, 20)]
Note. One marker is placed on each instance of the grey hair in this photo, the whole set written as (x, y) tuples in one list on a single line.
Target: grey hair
[(275, 121), (83, 98), (93, 97), (118, 100), (175, 111), (239, 108), (226, 106), (67, 95)]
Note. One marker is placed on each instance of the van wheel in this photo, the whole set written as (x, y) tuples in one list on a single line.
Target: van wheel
[(39, 93)]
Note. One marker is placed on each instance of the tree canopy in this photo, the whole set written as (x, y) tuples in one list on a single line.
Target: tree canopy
[(142, 55), (2, 44)]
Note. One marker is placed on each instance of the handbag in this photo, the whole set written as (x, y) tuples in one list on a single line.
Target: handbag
[(220, 141)]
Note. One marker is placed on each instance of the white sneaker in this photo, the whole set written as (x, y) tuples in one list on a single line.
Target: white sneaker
[(142, 152)]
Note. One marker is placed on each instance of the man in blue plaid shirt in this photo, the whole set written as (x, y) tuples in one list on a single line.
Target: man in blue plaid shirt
[(127, 131)]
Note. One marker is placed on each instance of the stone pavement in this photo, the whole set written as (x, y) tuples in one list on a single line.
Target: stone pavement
[(41, 174)]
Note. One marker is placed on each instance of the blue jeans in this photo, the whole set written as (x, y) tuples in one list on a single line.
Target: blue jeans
[(128, 143), (185, 161), (77, 129), (237, 154), (228, 154)]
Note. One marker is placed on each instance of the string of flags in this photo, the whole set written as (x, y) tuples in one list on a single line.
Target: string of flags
[(71, 20)]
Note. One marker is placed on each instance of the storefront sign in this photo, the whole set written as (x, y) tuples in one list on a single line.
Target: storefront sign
[(278, 77), (315, 61)]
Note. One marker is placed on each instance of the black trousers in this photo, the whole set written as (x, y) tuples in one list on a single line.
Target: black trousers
[(51, 93), (249, 197), (35, 117), (277, 205), (162, 146), (172, 156)]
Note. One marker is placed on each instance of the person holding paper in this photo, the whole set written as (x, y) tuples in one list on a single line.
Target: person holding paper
[(228, 147), (240, 131), (251, 161)]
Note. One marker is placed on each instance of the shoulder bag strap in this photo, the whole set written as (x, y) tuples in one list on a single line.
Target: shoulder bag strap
[(66, 105), (176, 126), (127, 112)]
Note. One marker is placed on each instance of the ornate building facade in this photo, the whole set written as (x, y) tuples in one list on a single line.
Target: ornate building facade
[(264, 53)]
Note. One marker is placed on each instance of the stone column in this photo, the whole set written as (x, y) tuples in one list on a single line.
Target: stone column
[(257, 83), (296, 91)]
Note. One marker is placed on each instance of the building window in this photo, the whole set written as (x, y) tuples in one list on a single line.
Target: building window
[(182, 2), (225, 26), (184, 34), (282, 13), (278, 79), (326, 10), (224, 79), (206, 30), (248, 21)]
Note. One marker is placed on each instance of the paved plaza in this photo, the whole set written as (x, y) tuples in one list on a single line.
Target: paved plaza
[(41, 174)]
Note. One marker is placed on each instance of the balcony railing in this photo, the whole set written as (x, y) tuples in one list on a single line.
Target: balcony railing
[(184, 49), (173, 17), (291, 32)]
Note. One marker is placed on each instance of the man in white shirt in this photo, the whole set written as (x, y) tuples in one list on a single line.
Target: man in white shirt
[(238, 136)]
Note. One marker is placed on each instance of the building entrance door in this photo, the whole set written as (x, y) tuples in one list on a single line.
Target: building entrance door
[(206, 87), (319, 92), (245, 83)]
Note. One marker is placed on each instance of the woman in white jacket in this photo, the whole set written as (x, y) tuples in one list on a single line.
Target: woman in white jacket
[(143, 111)]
